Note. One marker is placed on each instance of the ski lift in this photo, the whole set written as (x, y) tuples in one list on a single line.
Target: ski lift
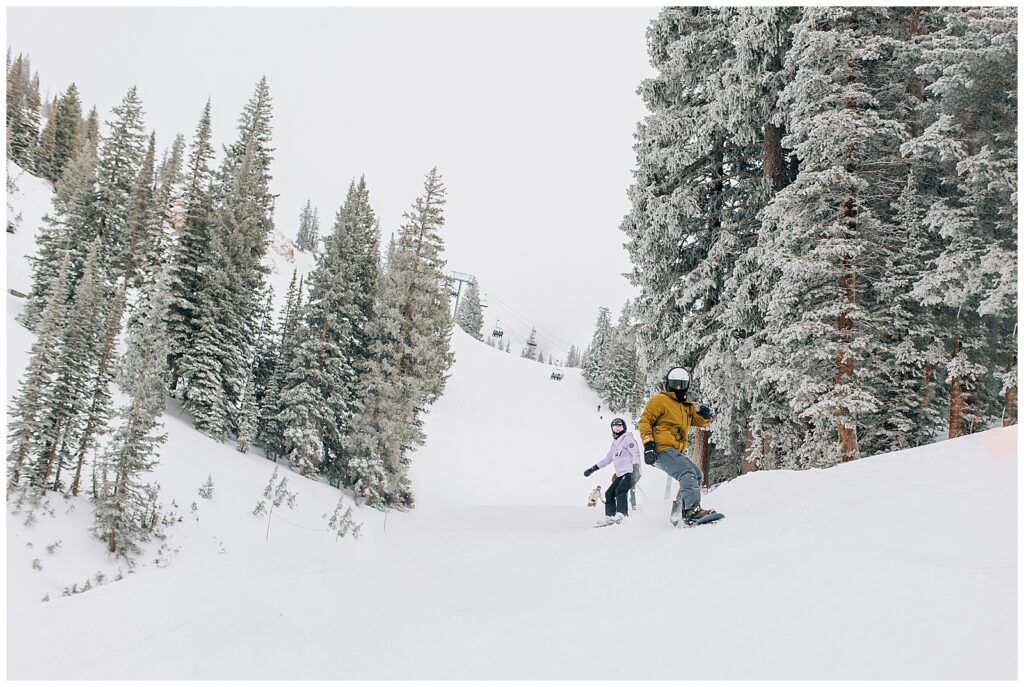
[(531, 342), (556, 375), (498, 332)]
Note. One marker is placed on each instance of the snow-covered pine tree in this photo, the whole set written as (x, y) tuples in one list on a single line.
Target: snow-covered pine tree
[(594, 365), (190, 251), (229, 310), (969, 114), (308, 237), (121, 157), (334, 350), (42, 156), (170, 200), (90, 137), (124, 498), (247, 416), (822, 234), (99, 396), (622, 392), (68, 230), (265, 350), (144, 222), (28, 436), (22, 119), (69, 395), (67, 122), (471, 315), (410, 355), (202, 367), (270, 432)]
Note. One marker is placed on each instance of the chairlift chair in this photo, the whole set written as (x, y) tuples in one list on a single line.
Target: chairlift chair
[(498, 333)]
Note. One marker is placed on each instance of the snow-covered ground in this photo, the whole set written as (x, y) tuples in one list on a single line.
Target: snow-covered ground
[(900, 566)]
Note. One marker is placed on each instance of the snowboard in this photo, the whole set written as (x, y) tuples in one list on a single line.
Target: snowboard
[(706, 520), (608, 524)]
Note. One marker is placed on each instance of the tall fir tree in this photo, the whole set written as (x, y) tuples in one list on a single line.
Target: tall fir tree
[(121, 157), (319, 392), (308, 237), (123, 498), (229, 301), (70, 229), (191, 249), (594, 359), (67, 122), (471, 315), (141, 258), (28, 431), (410, 355)]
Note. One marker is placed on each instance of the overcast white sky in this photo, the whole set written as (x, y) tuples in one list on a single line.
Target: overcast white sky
[(528, 113)]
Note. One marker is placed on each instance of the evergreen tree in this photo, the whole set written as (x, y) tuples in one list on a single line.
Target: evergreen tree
[(229, 310), (595, 358), (410, 355), (622, 390), (308, 237), (66, 123), (121, 157), (334, 346), (170, 200), (81, 344), (28, 432), (968, 143), (98, 397), (190, 251), (822, 233), (67, 230), (271, 429), (46, 148), (22, 118), (141, 253), (471, 315), (123, 496), (247, 419)]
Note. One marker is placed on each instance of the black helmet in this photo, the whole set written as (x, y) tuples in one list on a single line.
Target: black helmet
[(618, 422), (677, 379)]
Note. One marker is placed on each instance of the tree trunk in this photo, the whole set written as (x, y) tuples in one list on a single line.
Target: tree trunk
[(1010, 397), (956, 398), (848, 448), (702, 452), (748, 465), (773, 155)]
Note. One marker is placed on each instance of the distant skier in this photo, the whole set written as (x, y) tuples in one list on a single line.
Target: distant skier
[(625, 454), (664, 428)]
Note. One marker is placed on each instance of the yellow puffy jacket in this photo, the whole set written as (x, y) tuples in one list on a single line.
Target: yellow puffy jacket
[(666, 422)]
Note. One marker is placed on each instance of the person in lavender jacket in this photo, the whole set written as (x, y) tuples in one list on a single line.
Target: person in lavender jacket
[(624, 454)]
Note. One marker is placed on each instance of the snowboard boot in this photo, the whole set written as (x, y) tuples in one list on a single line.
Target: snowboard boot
[(694, 514), (611, 519)]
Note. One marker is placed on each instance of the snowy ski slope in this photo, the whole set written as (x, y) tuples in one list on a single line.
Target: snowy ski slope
[(901, 566)]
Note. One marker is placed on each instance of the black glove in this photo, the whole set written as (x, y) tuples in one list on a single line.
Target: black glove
[(591, 470), (649, 454), (704, 412)]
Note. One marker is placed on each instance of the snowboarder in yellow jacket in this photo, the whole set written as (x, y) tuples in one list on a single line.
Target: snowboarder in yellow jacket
[(664, 430)]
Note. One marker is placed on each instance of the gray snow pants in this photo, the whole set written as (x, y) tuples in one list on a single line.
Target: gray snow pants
[(681, 468)]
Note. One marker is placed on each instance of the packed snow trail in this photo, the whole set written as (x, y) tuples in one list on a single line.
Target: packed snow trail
[(901, 566)]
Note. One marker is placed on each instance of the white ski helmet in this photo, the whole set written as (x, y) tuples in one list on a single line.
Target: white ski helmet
[(677, 379)]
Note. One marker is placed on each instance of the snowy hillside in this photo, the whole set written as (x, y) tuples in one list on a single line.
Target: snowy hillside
[(896, 566)]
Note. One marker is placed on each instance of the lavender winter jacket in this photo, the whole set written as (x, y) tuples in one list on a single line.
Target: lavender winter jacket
[(625, 452)]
